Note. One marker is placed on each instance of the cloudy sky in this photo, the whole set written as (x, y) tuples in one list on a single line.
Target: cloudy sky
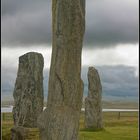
[(110, 43)]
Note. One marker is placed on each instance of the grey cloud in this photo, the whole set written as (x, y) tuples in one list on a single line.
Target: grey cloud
[(12, 7), (117, 81), (28, 24), (8, 76), (108, 22), (111, 22)]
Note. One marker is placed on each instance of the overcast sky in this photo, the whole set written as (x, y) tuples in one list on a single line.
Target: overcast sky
[(108, 22), (111, 36)]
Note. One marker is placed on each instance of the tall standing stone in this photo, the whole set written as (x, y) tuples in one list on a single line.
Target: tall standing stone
[(28, 92), (60, 121), (93, 105)]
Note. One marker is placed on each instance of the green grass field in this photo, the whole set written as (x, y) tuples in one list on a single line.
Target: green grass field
[(125, 128)]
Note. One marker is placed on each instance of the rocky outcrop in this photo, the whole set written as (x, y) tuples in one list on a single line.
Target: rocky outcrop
[(60, 121), (93, 105), (28, 92)]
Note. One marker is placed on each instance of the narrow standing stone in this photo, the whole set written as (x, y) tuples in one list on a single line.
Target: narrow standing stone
[(28, 92), (93, 105), (60, 121)]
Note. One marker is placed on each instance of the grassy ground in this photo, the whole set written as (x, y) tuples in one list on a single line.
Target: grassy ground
[(125, 128)]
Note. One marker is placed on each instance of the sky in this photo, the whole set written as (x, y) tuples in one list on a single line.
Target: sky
[(110, 43)]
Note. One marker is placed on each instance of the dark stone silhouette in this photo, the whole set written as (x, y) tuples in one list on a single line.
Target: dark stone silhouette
[(28, 92), (93, 105)]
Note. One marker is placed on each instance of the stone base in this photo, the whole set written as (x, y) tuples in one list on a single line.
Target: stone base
[(23, 133)]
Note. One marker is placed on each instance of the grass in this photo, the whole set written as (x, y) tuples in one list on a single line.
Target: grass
[(125, 128)]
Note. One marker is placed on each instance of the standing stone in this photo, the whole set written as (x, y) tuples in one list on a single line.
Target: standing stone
[(28, 92), (60, 121), (93, 105)]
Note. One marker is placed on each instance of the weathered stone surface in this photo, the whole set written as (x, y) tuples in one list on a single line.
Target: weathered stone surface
[(93, 105), (18, 133), (28, 92), (60, 121)]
